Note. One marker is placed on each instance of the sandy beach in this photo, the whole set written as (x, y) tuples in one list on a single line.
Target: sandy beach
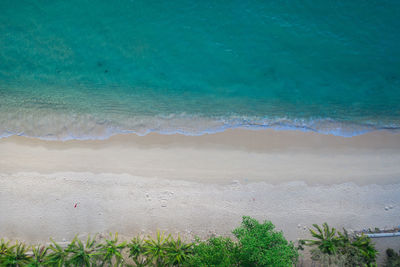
[(197, 185)]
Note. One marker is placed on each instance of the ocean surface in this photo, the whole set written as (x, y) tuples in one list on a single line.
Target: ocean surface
[(90, 69)]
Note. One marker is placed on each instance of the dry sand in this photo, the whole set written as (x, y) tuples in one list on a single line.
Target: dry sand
[(197, 185)]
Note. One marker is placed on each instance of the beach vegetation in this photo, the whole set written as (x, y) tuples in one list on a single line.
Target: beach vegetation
[(161, 251), (136, 252), (392, 258), (82, 254), (325, 239), (4, 247), (57, 255), (178, 252), (156, 249), (15, 255), (215, 251), (253, 243), (365, 248), (331, 247), (111, 252), (259, 244), (38, 258)]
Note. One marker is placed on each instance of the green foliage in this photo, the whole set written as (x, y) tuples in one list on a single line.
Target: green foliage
[(58, 256), (349, 254), (393, 258), (337, 260), (366, 248), (136, 251), (156, 249), (14, 256), (326, 239), (39, 256), (81, 254), (4, 247), (340, 248), (178, 252), (216, 251), (111, 251), (260, 245), (162, 251)]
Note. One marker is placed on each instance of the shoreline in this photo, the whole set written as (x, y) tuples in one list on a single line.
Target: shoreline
[(190, 125)]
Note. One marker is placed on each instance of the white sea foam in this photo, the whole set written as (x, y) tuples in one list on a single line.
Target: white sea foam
[(58, 126)]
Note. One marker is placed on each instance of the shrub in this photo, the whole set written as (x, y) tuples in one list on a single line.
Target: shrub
[(393, 258), (216, 251), (260, 245)]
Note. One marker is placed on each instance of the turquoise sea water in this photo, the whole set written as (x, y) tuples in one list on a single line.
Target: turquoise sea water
[(90, 69)]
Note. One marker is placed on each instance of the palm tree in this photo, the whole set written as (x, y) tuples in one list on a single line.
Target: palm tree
[(4, 247), (366, 248), (155, 249), (39, 256), (177, 251), (15, 256), (58, 256), (136, 251), (327, 241), (82, 254), (112, 250)]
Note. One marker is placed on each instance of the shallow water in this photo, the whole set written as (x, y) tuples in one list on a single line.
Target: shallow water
[(90, 69)]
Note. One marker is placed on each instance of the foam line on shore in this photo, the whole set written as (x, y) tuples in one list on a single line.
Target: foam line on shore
[(61, 127)]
